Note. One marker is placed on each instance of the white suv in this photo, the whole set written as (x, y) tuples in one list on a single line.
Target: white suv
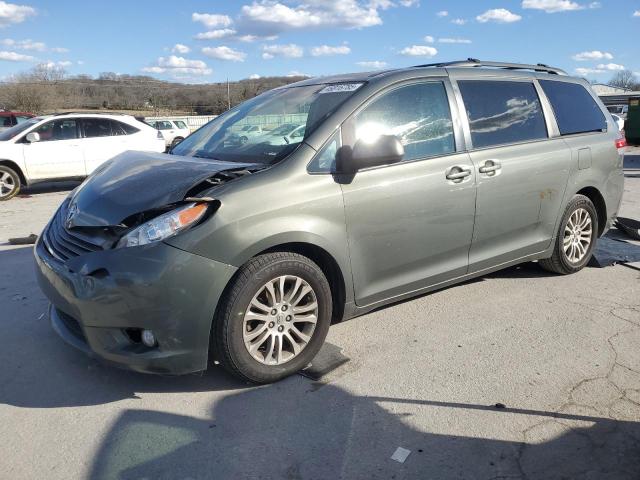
[(70, 145), (173, 131)]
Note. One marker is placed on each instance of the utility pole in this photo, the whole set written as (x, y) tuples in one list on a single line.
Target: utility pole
[(228, 96)]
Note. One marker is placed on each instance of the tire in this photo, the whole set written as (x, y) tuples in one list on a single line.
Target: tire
[(9, 183), (175, 142), (237, 315), (564, 262)]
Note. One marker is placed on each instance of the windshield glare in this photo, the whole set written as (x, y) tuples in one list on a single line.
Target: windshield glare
[(18, 129), (256, 131)]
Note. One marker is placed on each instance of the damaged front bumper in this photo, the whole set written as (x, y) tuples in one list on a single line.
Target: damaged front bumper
[(100, 299)]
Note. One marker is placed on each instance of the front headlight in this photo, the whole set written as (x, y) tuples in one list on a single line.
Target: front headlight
[(164, 226)]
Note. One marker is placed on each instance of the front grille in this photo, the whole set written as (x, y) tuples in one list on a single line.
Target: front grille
[(64, 244), (72, 325)]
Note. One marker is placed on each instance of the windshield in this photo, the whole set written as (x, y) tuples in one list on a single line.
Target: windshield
[(18, 129), (253, 132)]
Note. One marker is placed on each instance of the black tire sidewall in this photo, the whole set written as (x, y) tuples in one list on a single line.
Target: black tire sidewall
[(242, 360), (579, 201), (16, 180)]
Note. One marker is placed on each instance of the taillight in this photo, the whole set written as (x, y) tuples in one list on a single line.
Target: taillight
[(159, 135), (621, 141)]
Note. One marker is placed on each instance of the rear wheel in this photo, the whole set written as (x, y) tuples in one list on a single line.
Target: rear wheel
[(9, 183), (274, 319), (176, 141), (576, 237)]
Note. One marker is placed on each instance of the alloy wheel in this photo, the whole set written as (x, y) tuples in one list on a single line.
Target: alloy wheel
[(7, 184), (577, 235), (280, 320)]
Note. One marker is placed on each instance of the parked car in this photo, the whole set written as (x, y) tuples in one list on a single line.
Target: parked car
[(173, 131), (405, 181), (67, 146), (9, 119), (281, 135), (619, 121)]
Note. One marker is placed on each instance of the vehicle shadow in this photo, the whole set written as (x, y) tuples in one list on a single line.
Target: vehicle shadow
[(49, 187), (39, 370), (294, 431)]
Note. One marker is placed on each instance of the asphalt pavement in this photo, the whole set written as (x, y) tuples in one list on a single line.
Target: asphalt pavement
[(518, 374)]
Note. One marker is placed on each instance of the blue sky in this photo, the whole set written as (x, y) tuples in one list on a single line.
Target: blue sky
[(209, 41)]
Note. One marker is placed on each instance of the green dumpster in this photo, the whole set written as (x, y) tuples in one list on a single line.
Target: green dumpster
[(632, 124)]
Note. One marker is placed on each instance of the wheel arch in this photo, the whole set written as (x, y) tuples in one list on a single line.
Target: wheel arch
[(14, 166), (593, 194)]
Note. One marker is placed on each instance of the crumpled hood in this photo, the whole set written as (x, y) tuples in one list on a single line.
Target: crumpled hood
[(134, 182)]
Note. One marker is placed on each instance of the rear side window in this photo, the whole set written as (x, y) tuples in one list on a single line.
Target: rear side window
[(575, 109), (96, 127), (120, 128), (6, 121), (417, 114), (502, 112), (180, 124)]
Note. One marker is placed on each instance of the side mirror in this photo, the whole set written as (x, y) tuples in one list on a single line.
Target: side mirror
[(33, 137), (384, 150)]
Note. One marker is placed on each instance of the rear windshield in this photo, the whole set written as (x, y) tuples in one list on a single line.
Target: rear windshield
[(575, 109), (257, 131)]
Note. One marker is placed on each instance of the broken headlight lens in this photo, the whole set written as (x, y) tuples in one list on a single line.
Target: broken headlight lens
[(164, 226)]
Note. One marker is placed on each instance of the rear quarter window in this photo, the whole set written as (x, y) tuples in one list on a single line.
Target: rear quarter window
[(574, 108)]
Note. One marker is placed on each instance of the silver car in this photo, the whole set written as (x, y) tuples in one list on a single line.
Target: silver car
[(405, 181)]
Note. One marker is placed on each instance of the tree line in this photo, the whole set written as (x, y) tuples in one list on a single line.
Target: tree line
[(46, 89)]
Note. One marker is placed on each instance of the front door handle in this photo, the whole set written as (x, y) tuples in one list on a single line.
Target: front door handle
[(490, 167), (458, 173)]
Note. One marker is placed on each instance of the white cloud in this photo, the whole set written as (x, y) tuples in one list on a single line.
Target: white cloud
[(178, 66), (254, 76), (296, 73), (224, 53), (458, 21), (61, 64), (326, 50), (216, 34), (290, 51), (10, 13), (15, 57), (374, 64), (442, 13), (498, 15), (31, 45), (583, 72), (419, 51), (429, 39), (454, 40), (610, 66), (554, 6), (410, 3), (268, 17), (636, 13), (180, 48), (211, 20), (592, 55)]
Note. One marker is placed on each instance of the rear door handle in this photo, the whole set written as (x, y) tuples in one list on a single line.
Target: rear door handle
[(458, 173), (490, 167)]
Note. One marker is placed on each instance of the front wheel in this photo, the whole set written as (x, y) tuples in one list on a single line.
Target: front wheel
[(576, 237), (9, 183), (274, 318)]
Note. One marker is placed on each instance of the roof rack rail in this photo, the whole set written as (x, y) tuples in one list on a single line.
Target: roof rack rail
[(474, 62), (87, 112)]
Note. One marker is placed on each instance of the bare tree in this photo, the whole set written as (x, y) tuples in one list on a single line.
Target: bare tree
[(623, 79)]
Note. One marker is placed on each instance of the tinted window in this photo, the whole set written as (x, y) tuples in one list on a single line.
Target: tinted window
[(96, 127), (164, 125), (6, 121), (502, 112), (575, 109), (417, 114), (180, 124), (120, 128), (63, 129)]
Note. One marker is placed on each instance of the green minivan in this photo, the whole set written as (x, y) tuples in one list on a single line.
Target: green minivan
[(404, 181)]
